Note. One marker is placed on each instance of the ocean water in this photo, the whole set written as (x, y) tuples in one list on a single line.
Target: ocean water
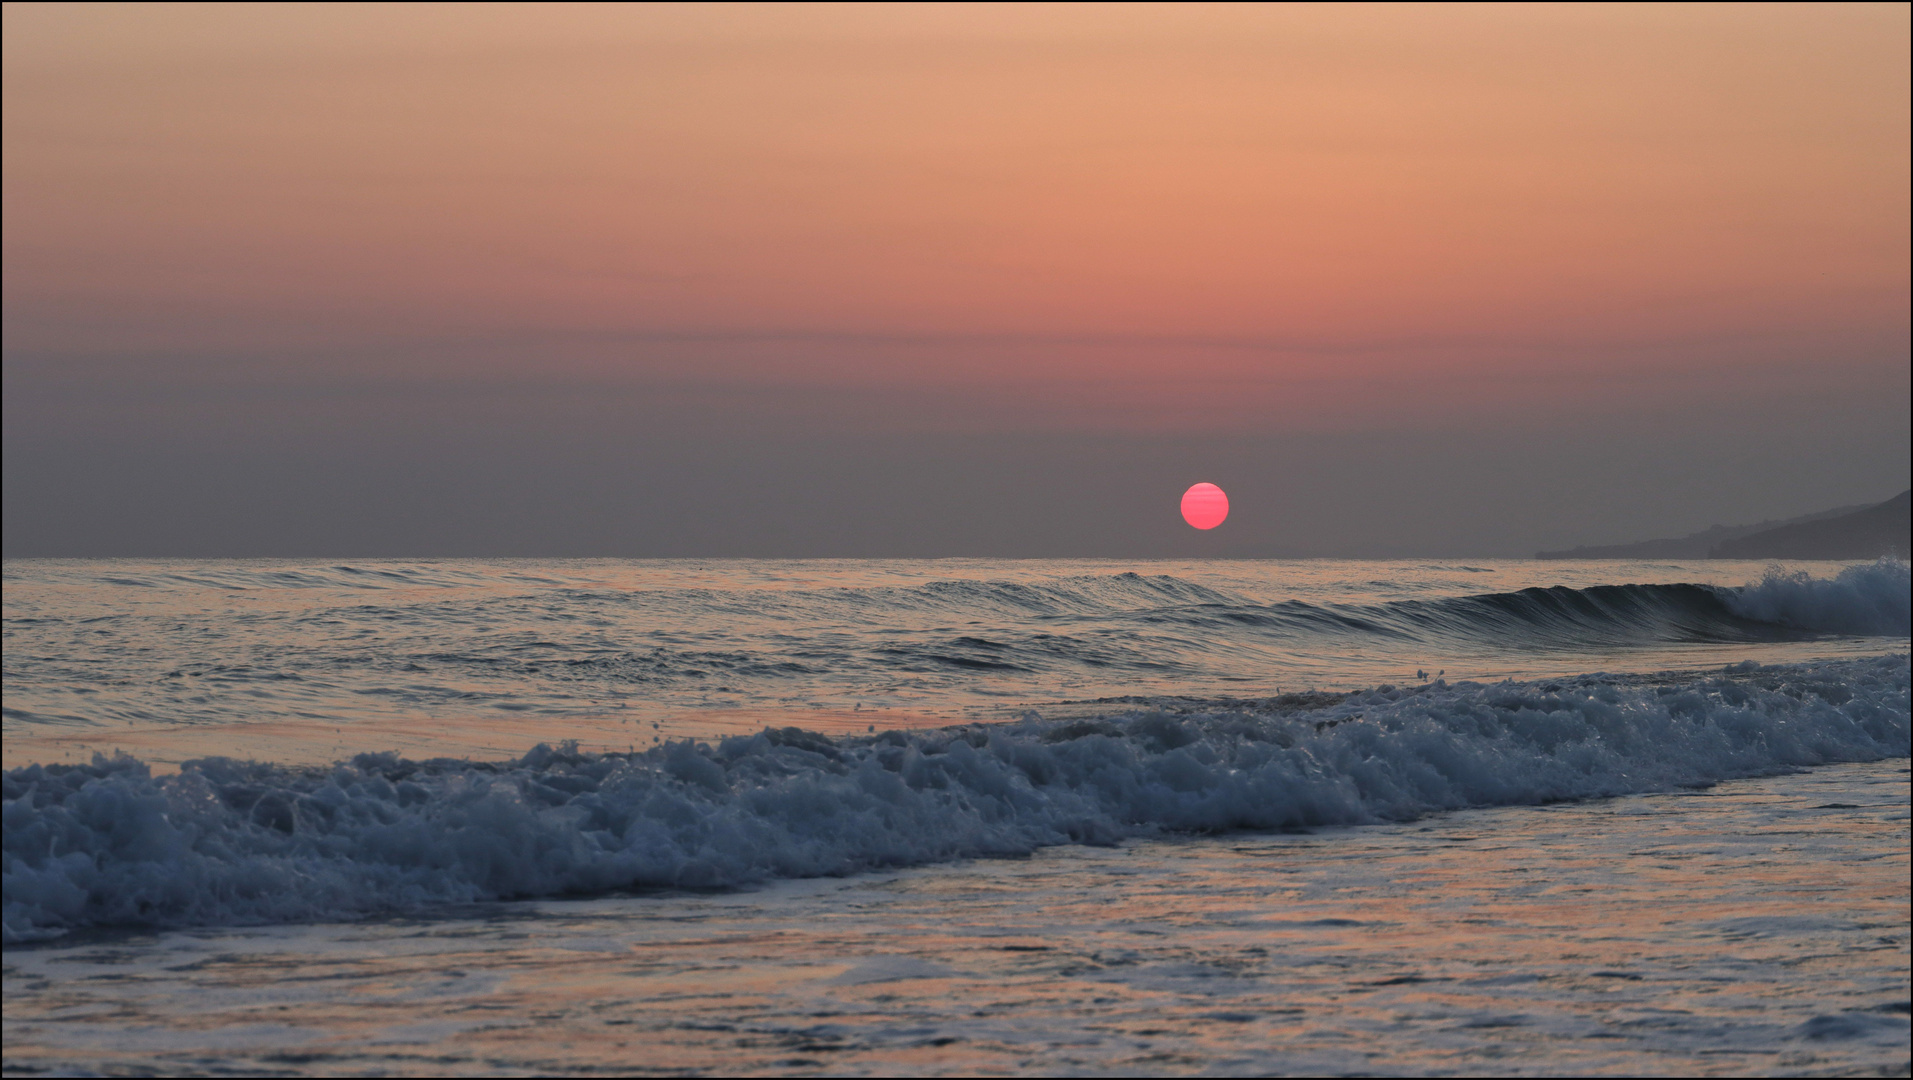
[(951, 815)]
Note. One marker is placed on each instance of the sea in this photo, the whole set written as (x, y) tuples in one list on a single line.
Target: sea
[(919, 817)]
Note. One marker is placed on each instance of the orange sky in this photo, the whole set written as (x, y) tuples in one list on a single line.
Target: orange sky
[(1127, 216)]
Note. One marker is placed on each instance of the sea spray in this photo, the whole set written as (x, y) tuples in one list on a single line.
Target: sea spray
[(1870, 598)]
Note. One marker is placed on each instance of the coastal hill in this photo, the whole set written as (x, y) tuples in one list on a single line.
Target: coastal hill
[(1885, 529), (1725, 541)]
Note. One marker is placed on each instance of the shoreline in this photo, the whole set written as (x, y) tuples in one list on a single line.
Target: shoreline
[(1642, 934)]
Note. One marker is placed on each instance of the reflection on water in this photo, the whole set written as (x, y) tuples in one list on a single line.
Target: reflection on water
[(1760, 926), (313, 662)]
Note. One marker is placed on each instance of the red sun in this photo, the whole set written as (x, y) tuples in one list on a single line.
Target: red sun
[(1204, 506)]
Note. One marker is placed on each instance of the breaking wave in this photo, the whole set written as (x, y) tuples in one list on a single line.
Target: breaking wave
[(1864, 600), (226, 842), (1872, 599)]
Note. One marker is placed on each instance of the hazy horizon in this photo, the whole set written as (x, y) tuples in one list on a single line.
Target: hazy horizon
[(946, 281)]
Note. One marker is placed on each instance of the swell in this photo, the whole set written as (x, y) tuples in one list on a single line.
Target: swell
[(1870, 599), (1562, 617), (550, 644), (228, 842), (1865, 600)]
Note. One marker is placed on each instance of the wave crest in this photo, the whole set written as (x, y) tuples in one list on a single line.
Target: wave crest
[(232, 842), (1870, 599)]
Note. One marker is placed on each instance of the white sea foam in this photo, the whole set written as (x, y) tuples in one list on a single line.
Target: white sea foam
[(1873, 598), (231, 842)]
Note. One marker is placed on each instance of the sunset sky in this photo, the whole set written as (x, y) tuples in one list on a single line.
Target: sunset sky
[(981, 280)]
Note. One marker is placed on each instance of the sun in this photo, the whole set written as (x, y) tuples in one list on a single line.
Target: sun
[(1205, 506)]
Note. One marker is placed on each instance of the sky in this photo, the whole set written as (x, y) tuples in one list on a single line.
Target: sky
[(355, 281)]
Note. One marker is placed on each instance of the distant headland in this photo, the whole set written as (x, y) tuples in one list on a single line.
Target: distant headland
[(1847, 532)]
